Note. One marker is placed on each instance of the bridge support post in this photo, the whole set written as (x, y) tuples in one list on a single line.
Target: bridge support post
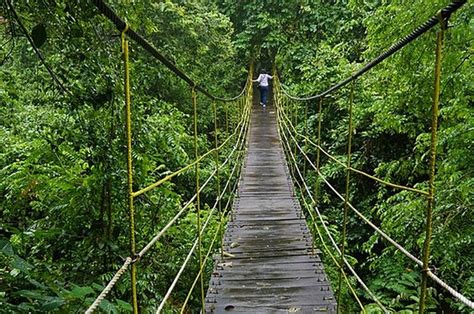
[(432, 167)]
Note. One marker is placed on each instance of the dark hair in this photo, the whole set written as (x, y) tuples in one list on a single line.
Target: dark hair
[(263, 71)]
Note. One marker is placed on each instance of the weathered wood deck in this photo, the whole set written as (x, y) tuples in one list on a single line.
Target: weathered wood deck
[(273, 268)]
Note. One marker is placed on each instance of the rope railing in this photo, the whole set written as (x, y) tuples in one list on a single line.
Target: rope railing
[(243, 112), (333, 158), (309, 209), (218, 231), (187, 167), (193, 248), (239, 144), (378, 230), (212, 175), (398, 246), (344, 260), (242, 128), (223, 213), (287, 121)]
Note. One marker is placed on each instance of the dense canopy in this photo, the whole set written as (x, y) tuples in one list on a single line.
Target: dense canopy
[(64, 213)]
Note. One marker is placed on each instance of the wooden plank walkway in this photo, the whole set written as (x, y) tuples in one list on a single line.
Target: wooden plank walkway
[(273, 269)]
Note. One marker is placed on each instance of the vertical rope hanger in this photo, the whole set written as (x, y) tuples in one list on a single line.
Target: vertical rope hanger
[(318, 151), (218, 180), (198, 198), (346, 199), (128, 127), (443, 21)]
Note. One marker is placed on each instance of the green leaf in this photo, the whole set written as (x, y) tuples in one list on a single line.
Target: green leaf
[(122, 305), (33, 294), (6, 247), (53, 304), (20, 264), (107, 307), (80, 292)]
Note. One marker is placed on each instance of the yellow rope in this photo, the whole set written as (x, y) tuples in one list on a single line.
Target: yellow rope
[(305, 133), (323, 242), (326, 248), (187, 167), (346, 198), (218, 181), (237, 148), (128, 126), (318, 154), (401, 187), (221, 224), (364, 286), (240, 137), (432, 168), (329, 235), (198, 198)]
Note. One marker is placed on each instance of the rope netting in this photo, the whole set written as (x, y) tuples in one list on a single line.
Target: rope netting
[(233, 146), (287, 114)]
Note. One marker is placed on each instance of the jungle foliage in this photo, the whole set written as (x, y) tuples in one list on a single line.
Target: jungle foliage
[(315, 44), (64, 221)]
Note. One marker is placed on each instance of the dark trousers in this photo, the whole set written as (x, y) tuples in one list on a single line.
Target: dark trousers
[(263, 94)]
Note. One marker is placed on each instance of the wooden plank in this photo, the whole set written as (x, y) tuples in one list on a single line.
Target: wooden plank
[(277, 309), (273, 268)]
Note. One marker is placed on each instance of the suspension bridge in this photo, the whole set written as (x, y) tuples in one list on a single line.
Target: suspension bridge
[(263, 250), (272, 265)]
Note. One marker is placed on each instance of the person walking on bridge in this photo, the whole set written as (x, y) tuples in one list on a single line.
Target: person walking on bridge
[(263, 86)]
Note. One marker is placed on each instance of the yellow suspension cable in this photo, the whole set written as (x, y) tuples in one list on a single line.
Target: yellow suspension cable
[(346, 199), (432, 168), (237, 147), (401, 187), (326, 248), (155, 239), (306, 134), (316, 195), (226, 119), (198, 198), (218, 201), (319, 232), (185, 168), (327, 231), (218, 182), (329, 235), (295, 108), (128, 126)]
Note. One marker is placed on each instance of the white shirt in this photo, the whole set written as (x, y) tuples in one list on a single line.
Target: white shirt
[(263, 79)]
